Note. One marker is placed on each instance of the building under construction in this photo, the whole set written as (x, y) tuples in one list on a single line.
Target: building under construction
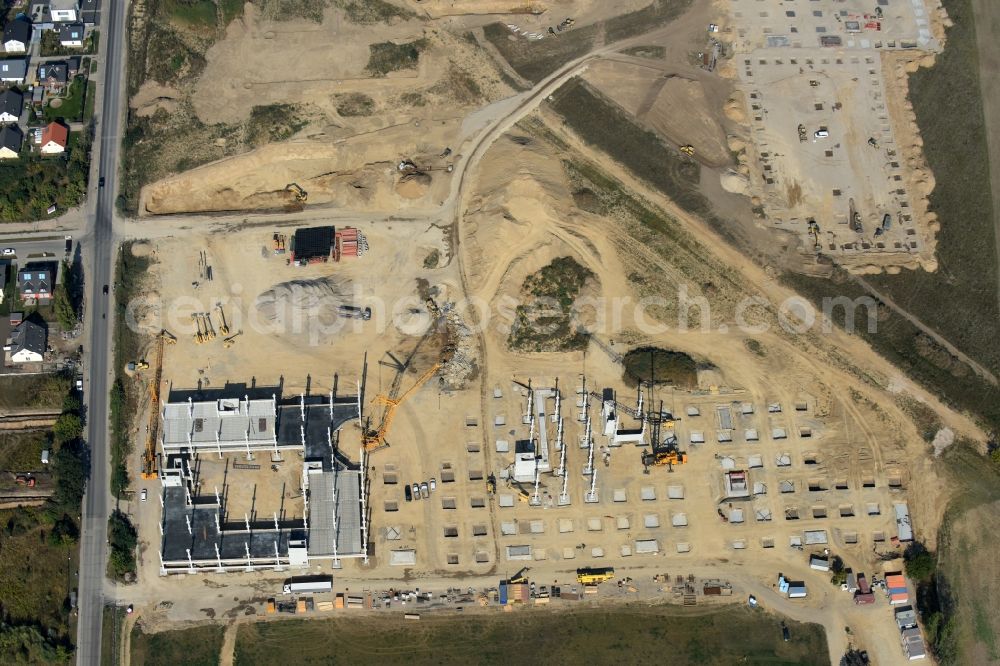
[(252, 480)]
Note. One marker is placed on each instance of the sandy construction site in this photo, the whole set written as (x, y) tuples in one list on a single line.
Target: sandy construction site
[(796, 438)]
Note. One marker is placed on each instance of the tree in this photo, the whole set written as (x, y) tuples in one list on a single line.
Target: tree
[(920, 562), (62, 302), (123, 540), (68, 427), (70, 468)]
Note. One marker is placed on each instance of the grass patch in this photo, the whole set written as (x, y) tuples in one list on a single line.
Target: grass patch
[(651, 52), (126, 394), (196, 14), (661, 366), (274, 122), (536, 59), (34, 574), (590, 114), (625, 634), (91, 100), (198, 646), (111, 626), (32, 392), (21, 451), (71, 108), (385, 57), (966, 582), (948, 106), (544, 322), (650, 17), (355, 104), (288, 10), (230, 10), (370, 12), (898, 341)]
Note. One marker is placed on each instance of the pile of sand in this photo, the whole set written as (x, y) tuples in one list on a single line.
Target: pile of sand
[(305, 308)]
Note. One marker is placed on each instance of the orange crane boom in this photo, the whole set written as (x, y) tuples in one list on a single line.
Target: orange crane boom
[(376, 439)]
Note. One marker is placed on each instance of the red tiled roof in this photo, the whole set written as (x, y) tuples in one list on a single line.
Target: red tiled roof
[(55, 132)]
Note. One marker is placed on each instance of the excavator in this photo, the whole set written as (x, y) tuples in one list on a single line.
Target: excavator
[(300, 195), (231, 340), (375, 439), (149, 470), (688, 150)]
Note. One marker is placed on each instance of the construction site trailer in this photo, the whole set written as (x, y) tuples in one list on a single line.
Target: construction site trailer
[(903, 527), (311, 584)]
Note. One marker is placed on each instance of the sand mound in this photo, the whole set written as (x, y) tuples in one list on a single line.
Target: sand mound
[(413, 186), (734, 182), (305, 309)]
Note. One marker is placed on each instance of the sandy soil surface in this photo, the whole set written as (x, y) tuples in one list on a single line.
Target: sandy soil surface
[(515, 208), (680, 104), (359, 172)]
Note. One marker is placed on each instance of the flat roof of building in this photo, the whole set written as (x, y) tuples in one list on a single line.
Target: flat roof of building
[(313, 242)]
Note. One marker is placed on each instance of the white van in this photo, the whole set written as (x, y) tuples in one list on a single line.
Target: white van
[(821, 134)]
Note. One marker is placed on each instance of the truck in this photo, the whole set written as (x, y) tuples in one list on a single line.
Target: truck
[(354, 312), (308, 584)]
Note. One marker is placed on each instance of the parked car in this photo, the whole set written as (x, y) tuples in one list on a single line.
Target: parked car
[(424, 490), (8, 252), (408, 493), (434, 485), (416, 491), (143, 495)]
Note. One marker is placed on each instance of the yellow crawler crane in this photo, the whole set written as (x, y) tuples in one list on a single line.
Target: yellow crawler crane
[(223, 327), (375, 439)]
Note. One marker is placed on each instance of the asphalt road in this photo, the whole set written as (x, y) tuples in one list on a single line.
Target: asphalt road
[(98, 248)]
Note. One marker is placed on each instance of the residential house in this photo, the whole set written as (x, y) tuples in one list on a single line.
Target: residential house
[(53, 76), (71, 35), (16, 36), (13, 70), (55, 137), (34, 283), (90, 12), (27, 343), (64, 11), (11, 104), (11, 139), (37, 97)]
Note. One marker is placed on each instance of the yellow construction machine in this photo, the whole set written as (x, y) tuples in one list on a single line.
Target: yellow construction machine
[(228, 342), (223, 327), (688, 150), (300, 195), (374, 439), (209, 328), (198, 336), (168, 337)]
